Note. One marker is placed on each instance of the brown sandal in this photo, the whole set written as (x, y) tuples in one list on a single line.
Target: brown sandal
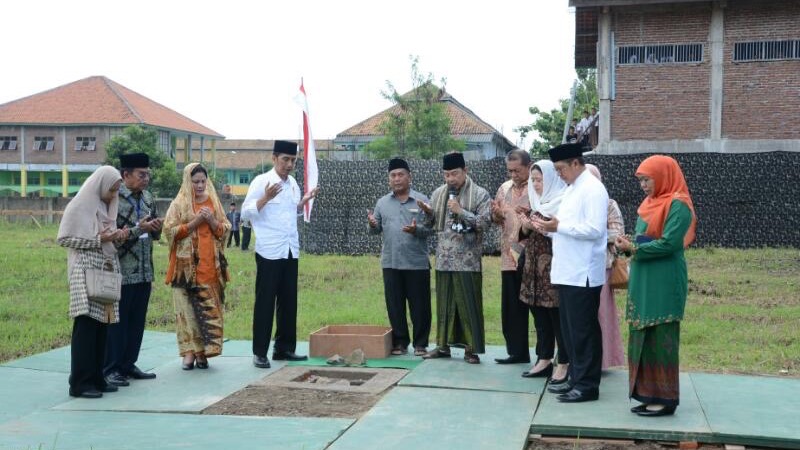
[(436, 353), (472, 358), (397, 351)]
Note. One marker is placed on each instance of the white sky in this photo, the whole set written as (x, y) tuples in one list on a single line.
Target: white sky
[(235, 65)]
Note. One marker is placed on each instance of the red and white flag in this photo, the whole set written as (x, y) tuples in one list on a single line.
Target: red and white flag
[(310, 171)]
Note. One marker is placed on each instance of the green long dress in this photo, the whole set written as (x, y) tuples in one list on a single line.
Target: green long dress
[(657, 292)]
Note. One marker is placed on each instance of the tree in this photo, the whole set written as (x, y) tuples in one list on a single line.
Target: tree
[(549, 126), (137, 139), (417, 126)]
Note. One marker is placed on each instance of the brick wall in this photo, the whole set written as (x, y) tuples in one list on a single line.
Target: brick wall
[(662, 101), (761, 99)]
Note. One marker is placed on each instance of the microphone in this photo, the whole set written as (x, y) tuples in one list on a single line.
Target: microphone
[(452, 194)]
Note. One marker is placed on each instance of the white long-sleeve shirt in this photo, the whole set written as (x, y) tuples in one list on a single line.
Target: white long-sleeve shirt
[(275, 226), (579, 243)]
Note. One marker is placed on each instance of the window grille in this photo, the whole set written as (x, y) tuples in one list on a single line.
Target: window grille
[(659, 54), (766, 51), (44, 143), (8, 142), (84, 144)]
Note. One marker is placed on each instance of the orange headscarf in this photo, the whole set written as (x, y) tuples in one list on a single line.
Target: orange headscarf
[(669, 185)]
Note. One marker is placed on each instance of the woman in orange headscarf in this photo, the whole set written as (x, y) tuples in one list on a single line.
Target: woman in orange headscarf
[(196, 228), (658, 285)]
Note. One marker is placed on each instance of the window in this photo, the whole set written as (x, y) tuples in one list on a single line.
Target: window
[(244, 178), (8, 142), (74, 182), (46, 143), (53, 182), (660, 54), (766, 51), (83, 144)]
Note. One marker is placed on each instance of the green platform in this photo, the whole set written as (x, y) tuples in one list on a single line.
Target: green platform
[(100, 430), (439, 404), (425, 418), (177, 390), (610, 416)]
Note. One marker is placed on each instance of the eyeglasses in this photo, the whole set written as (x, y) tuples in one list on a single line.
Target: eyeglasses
[(143, 175)]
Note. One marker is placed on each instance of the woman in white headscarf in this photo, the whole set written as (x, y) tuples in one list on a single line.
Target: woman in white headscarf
[(613, 355), (88, 229), (545, 191)]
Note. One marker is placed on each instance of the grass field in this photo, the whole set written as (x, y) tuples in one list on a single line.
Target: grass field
[(743, 313)]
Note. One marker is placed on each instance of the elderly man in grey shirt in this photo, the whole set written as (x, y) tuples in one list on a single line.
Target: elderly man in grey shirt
[(404, 258)]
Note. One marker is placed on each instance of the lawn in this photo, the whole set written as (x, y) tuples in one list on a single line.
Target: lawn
[(743, 313)]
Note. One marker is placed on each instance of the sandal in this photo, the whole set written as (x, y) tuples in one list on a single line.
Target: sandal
[(397, 351), (435, 354), (472, 358), (420, 351)]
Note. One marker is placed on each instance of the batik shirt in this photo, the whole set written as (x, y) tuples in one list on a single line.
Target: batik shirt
[(136, 254)]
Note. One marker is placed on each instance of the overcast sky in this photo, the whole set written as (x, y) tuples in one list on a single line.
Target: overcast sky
[(235, 66)]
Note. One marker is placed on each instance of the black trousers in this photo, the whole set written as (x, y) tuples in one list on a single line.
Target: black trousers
[(246, 237), (414, 286), (276, 295), (582, 337), (125, 337), (88, 350), (548, 333), (513, 315), (234, 235)]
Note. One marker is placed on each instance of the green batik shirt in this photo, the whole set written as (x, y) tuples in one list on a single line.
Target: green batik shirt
[(136, 254)]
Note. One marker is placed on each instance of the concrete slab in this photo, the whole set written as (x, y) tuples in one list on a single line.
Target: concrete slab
[(429, 418), (177, 390), (752, 411), (67, 430), (610, 416), (487, 376), (239, 348), (24, 391)]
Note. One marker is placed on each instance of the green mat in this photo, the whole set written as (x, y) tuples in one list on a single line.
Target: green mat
[(385, 363)]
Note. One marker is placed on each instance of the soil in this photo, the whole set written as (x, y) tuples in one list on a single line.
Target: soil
[(292, 402)]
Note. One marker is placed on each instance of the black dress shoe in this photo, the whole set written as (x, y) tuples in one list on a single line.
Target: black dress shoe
[(201, 364), (115, 379), (639, 408), (187, 366), (288, 356), (261, 362), (89, 393), (137, 374), (513, 359), (108, 388), (576, 396), (562, 388), (557, 381), (665, 411), (544, 373)]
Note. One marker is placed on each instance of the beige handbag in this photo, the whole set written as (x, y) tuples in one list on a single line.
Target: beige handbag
[(619, 273), (104, 285)]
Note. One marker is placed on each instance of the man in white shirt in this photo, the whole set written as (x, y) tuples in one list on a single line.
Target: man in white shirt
[(579, 233), (272, 205)]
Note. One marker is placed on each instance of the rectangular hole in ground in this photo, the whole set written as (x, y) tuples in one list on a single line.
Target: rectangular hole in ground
[(332, 377)]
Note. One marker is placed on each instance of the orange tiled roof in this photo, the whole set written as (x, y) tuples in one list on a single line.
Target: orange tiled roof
[(462, 120), (96, 100)]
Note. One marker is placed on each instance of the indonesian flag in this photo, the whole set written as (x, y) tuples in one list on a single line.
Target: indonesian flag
[(310, 171)]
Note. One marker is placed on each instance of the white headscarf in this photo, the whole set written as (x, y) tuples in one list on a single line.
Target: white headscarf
[(87, 215), (552, 189)]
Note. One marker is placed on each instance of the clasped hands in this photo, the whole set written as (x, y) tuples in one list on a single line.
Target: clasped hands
[(118, 235), (623, 243)]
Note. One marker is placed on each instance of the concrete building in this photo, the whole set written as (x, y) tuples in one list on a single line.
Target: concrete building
[(691, 75), (483, 141), (52, 141)]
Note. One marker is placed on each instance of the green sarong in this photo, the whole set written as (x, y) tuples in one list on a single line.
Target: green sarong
[(459, 310), (653, 364)]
